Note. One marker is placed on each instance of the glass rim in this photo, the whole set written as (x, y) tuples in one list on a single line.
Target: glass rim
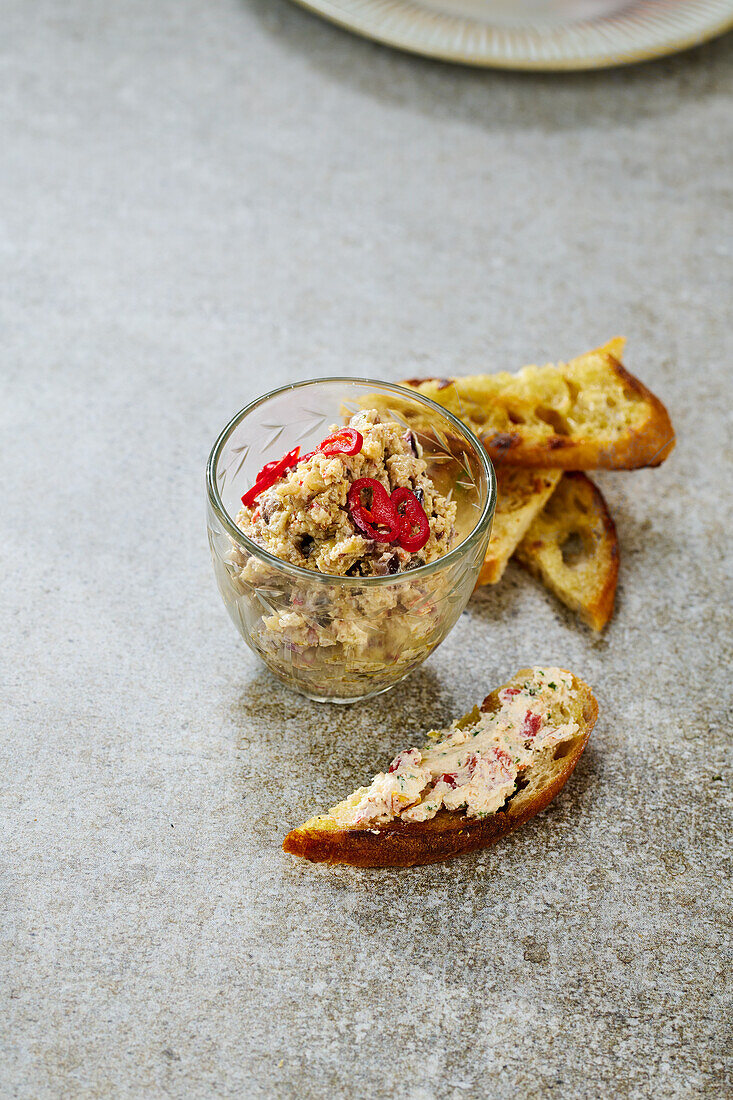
[(312, 575)]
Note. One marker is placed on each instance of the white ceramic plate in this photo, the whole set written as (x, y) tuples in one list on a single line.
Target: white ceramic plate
[(533, 34)]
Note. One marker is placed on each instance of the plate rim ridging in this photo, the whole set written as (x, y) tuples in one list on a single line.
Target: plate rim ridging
[(646, 30)]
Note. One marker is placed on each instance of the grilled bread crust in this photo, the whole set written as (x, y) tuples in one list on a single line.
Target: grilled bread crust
[(450, 833), (587, 414), (572, 547), (521, 495)]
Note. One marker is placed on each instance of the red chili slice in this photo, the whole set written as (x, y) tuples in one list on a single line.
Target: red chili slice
[(259, 487), (269, 474), (381, 513), (346, 441), (287, 461), (266, 469), (414, 524)]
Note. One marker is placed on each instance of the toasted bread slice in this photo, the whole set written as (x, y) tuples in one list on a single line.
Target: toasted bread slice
[(587, 414), (521, 495), (565, 727), (573, 548)]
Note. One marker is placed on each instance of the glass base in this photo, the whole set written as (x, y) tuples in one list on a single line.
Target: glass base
[(338, 699), (341, 699)]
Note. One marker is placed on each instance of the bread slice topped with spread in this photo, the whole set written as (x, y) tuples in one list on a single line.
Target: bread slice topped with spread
[(473, 783), (587, 414)]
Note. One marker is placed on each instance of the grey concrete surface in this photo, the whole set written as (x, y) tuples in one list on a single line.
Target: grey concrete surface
[(198, 201)]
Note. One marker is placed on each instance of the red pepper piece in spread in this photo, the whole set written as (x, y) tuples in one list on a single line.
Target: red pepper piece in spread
[(346, 441), (414, 524), (471, 761), (380, 520), (269, 474), (450, 778), (503, 758), (531, 726), (407, 756)]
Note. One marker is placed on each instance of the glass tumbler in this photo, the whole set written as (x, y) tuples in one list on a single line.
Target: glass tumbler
[(338, 638)]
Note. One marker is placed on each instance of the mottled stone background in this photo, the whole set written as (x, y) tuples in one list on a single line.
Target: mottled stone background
[(200, 200)]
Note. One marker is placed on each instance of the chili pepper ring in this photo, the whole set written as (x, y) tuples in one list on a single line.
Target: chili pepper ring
[(382, 512), (414, 523)]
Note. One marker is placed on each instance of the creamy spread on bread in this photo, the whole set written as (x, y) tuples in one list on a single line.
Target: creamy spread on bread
[(474, 765)]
